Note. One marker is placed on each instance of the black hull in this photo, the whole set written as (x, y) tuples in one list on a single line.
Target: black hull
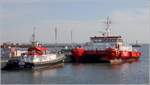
[(14, 65), (98, 59), (88, 59)]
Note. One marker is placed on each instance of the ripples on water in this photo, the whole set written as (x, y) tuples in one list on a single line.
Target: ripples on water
[(98, 73)]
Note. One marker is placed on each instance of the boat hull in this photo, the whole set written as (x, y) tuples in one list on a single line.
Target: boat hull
[(15, 64), (98, 59), (108, 55)]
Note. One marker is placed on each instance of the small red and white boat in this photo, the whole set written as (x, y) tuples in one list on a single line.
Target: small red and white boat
[(106, 48)]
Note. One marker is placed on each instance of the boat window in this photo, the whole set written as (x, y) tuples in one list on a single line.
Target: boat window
[(39, 52), (44, 52), (31, 52), (105, 40)]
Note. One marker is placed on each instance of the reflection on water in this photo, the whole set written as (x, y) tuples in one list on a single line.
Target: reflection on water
[(80, 73), (97, 73), (44, 73)]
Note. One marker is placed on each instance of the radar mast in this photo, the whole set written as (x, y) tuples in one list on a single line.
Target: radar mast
[(108, 22)]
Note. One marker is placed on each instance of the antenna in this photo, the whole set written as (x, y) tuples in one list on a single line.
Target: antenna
[(108, 22)]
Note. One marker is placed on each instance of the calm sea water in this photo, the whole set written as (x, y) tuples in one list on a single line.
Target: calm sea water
[(98, 73)]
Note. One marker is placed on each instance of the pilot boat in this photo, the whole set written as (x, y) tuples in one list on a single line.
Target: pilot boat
[(37, 56)]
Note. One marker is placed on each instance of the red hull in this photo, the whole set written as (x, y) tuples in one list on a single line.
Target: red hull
[(107, 55)]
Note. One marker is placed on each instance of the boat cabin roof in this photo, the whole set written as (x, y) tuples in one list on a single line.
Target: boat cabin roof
[(106, 39), (38, 48)]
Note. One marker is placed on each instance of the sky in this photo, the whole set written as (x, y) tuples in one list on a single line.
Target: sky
[(85, 18)]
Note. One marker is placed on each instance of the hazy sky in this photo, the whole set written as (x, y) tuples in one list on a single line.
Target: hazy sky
[(130, 19)]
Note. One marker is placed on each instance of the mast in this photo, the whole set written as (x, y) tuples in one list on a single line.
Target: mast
[(108, 22), (33, 37)]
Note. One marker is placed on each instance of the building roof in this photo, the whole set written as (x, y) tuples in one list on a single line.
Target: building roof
[(38, 48)]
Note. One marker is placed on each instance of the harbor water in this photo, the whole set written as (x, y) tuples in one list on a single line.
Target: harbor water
[(89, 73)]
